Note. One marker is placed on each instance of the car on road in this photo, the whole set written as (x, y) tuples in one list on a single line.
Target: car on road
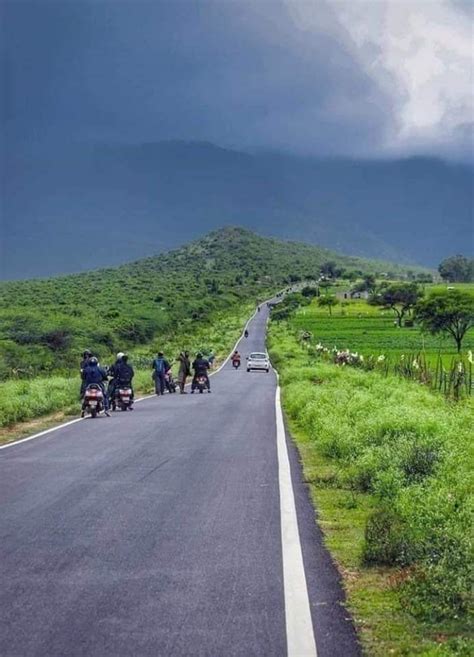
[(258, 360)]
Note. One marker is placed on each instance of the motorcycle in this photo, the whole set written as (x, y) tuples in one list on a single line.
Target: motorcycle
[(93, 401), (170, 382), (236, 363), (201, 383), (122, 399)]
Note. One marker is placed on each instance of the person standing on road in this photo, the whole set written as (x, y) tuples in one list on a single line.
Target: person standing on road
[(184, 370), (211, 358), (200, 367), (160, 367)]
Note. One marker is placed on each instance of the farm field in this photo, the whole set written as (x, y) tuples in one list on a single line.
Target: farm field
[(366, 329)]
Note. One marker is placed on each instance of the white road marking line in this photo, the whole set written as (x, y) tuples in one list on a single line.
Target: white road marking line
[(299, 626), (41, 433)]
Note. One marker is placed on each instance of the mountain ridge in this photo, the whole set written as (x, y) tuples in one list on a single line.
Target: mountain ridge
[(100, 205)]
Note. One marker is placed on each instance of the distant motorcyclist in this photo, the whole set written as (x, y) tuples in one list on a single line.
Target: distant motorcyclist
[(236, 359), (160, 367), (93, 373), (124, 374), (112, 372), (246, 333), (200, 367)]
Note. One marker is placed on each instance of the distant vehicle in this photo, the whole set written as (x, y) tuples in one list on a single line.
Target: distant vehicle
[(93, 402), (122, 399), (258, 361)]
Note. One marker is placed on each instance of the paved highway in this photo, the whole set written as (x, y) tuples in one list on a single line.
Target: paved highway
[(169, 531)]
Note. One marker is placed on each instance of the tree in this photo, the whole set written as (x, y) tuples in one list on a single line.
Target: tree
[(399, 297), (309, 291), (327, 302), (450, 312), (457, 269), (330, 269)]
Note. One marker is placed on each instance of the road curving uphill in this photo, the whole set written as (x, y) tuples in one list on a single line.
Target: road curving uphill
[(181, 529)]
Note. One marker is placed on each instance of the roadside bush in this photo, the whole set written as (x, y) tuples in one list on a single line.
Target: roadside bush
[(385, 539)]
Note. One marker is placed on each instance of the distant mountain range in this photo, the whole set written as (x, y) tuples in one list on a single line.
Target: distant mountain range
[(85, 207)]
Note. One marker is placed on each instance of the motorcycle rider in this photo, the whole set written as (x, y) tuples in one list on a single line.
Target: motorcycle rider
[(112, 372), (93, 373), (246, 334), (200, 367), (87, 354), (236, 359), (160, 367), (123, 377)]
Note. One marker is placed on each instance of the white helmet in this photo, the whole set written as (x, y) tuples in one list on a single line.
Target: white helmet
[(120, 355)]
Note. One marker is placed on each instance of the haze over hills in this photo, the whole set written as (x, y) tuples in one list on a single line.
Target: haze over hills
[(93, 206)]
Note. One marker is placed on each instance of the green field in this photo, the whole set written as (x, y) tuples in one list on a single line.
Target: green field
[(366, 329)]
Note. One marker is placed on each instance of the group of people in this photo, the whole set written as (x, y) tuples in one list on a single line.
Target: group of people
[(120, 374), (199, 368)]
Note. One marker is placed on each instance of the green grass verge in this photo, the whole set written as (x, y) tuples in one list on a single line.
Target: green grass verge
[(389, 468)]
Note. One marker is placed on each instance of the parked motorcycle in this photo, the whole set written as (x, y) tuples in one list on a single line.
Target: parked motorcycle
[(122, 399), (170, 382), (93, 401)]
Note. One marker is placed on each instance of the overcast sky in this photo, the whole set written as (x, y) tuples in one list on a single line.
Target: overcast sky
[(371, 78)]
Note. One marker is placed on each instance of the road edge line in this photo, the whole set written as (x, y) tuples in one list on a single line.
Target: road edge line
[(42, 433), (300, 635)]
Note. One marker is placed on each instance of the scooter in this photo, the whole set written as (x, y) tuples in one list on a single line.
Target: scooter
[(93, 401)]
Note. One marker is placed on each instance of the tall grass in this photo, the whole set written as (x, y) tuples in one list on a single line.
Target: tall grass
[(411, 451)]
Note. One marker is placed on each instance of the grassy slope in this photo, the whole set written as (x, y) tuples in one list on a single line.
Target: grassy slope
[(389, 450)]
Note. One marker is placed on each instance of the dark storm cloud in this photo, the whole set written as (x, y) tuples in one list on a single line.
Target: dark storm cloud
[(236, 73)]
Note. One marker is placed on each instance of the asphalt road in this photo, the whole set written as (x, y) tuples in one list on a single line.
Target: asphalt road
[(159, 532)]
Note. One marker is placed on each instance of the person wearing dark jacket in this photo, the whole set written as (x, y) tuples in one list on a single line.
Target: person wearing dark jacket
[(123, 376), (93, 373), (160, 367), (112, 373), (86, 356), (200, 367), (184, 370)]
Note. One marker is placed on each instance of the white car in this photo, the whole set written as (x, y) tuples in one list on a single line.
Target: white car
[(258, 361)]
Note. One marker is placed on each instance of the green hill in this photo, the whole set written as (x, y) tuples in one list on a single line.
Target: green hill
[(46, 323)]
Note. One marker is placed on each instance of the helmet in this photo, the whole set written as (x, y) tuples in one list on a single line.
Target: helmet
[(120, 355), (87, 353), (93, 361)]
